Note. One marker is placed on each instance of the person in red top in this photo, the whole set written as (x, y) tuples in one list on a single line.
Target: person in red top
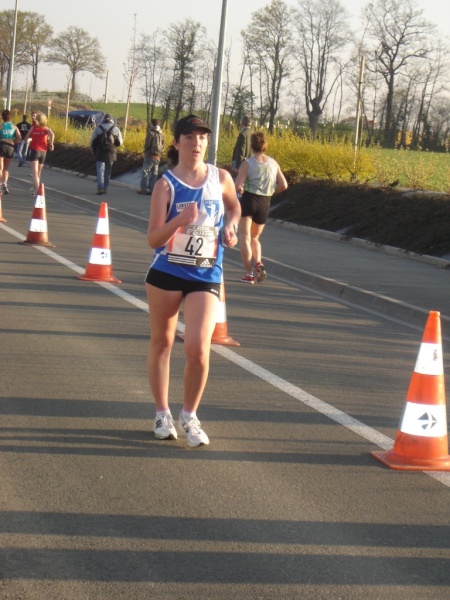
[(42, 138)]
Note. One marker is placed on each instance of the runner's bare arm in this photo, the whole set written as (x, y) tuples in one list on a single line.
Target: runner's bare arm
[(232, 208)]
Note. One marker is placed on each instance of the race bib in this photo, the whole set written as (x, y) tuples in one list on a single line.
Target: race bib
[(195, 245)]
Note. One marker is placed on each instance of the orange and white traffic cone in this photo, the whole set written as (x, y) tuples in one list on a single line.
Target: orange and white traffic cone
[(220, 333), (421, 443), (99, 267), (2, 220), (38, 231)]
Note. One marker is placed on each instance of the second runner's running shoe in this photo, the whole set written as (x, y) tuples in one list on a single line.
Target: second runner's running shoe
[(261, 274), (248, 278)]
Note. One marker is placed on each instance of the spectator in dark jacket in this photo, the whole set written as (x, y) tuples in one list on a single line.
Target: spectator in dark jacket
[(105, 156), (243, 147), (154, 147), (24, 127)]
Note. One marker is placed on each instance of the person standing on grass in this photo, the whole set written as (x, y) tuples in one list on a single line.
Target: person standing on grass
[(9, 138), (154, 147), (187, 231), (41, 140), (105, 140), (258, 179), (242, 148)]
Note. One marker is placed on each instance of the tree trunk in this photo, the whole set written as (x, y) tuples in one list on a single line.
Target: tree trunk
[(390, 125)]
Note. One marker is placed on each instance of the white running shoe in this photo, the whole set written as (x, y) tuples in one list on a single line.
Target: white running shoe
[(164, 428), (192, 429)]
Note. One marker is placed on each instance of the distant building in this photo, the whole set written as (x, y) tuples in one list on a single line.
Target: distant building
[(368, 123)]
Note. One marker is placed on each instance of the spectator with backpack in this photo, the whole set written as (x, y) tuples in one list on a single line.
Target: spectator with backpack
[(154, 147), (105, 140)]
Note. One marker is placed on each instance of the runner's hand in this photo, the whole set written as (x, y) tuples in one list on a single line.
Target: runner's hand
[(189, 214), (230, 236)]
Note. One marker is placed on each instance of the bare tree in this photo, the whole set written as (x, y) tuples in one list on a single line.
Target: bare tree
[(168, 89), (37, 34), (226, 92), (434, 83), (268, 40), (400, 36), (5, 45), (32, 35), (184, 49), (241, 92), (438, 121), (243, 98), (76, 49), (204, 71), (152, 67), (322, 34), (130, 72)]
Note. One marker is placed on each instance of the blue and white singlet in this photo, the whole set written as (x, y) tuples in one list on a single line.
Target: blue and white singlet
[(195, 252)]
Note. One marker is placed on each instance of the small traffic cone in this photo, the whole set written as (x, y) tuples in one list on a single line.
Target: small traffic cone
[(99, 267), (220, 333), (2, 220), (38, 231), (421, 443)]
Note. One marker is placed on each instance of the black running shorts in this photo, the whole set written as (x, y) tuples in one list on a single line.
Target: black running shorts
[(171, 283), (256, 207), (6, 150), (38, 155)]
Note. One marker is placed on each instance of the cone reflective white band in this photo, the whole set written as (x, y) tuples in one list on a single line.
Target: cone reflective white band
[(40, 202), (38, 225), (221, 316), (100, 256), (429, 361), (425, 420), (103, 226)]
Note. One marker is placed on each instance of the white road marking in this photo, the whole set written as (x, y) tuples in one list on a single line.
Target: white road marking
[(333, 413)]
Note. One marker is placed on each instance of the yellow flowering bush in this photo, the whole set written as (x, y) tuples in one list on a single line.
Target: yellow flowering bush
[(303, 157)]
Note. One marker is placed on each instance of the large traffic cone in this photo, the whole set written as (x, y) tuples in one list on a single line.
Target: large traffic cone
[(421, 443), (220, 333), (2, 220), (38, 231), (99, 267)]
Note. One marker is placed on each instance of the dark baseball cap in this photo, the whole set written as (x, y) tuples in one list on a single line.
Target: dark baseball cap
[(107, 117), (188, 124)]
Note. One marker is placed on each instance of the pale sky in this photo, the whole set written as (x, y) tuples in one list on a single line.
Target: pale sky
[(113, 22)]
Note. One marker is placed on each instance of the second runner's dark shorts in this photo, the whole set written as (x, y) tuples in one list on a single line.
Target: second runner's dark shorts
[(256, 207)]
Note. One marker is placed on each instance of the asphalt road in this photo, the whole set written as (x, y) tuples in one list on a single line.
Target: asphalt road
[(286, 502)]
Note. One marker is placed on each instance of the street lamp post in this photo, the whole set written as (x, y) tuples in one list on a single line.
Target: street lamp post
[(358, 125), (11, 60), (217, 92)]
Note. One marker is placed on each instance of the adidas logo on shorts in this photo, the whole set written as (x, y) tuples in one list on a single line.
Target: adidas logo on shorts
[(205, 263)]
